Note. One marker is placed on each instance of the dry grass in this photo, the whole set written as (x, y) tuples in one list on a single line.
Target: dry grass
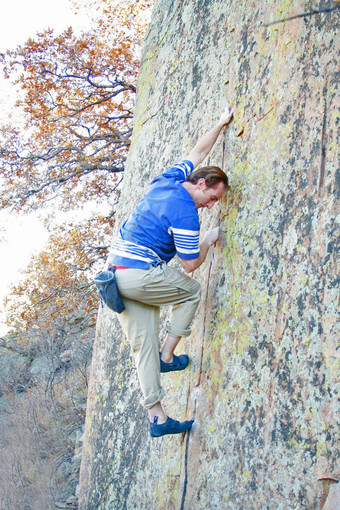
[(37, 442)]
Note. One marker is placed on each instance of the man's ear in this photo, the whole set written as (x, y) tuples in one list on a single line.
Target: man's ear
[(201, 183)]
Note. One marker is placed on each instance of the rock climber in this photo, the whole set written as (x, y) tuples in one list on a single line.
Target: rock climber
[(163, 224)]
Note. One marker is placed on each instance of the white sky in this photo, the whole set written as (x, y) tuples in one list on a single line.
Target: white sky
[(21, 236), (21, 19)]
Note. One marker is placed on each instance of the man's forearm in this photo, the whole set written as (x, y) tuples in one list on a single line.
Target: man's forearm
[(190, 265), (207, 141), (209, 240)]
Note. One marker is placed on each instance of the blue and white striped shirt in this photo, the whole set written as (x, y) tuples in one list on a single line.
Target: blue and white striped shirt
[(165, 222)]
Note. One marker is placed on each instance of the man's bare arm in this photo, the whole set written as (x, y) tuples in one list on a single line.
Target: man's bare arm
[(209, 240), (207, 141)]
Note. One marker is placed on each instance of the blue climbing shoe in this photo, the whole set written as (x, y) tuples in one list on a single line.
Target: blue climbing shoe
[(178, 363), (169, 427)]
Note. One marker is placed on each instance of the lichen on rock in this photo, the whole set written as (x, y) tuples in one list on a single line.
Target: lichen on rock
[(264, 366)]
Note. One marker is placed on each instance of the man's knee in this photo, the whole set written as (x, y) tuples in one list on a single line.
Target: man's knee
[(197, 291)]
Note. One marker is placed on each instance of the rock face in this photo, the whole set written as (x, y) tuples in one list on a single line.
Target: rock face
[(262, 380)]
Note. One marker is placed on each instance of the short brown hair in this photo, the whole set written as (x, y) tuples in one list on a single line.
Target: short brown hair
[(211, 174)]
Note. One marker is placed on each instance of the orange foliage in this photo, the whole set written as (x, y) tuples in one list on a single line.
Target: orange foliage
[(78, 105), (78, 98), (57, 288)]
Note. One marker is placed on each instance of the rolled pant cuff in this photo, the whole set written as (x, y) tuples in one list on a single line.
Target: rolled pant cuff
[(178, 332), (153, 399)]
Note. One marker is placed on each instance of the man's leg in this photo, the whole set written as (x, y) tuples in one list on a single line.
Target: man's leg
[(182, 313), (141, 325), (157, 411), (163, 285), (169, 347), (158, 286)]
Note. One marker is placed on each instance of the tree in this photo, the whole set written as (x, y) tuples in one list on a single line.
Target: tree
[(78, 96), (77, 105), (56, 292)]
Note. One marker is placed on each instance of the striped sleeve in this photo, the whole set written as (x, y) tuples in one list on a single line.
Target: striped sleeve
[(186, 242), (180, 171)]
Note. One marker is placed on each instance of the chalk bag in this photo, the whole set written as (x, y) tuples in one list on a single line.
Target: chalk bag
[(108, 290)]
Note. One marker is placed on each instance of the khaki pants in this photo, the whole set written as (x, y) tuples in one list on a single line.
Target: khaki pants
[(143, 292)]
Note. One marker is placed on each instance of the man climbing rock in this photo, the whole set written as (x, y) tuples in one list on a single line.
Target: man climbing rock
[(163, 224)]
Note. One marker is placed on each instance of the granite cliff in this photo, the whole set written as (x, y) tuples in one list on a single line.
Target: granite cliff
[(262, 380)]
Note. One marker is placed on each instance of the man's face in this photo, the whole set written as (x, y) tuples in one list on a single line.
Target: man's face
[(207, 197)]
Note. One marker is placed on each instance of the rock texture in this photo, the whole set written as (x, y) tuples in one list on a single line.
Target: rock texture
[(262, 381)]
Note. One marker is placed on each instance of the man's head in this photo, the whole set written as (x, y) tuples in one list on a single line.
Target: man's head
[(207, 185)]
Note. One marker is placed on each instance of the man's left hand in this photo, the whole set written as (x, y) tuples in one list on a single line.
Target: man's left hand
[(211, 237), (226, 116)]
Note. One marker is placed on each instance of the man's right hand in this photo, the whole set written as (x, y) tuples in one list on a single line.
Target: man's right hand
[(211, 237)]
